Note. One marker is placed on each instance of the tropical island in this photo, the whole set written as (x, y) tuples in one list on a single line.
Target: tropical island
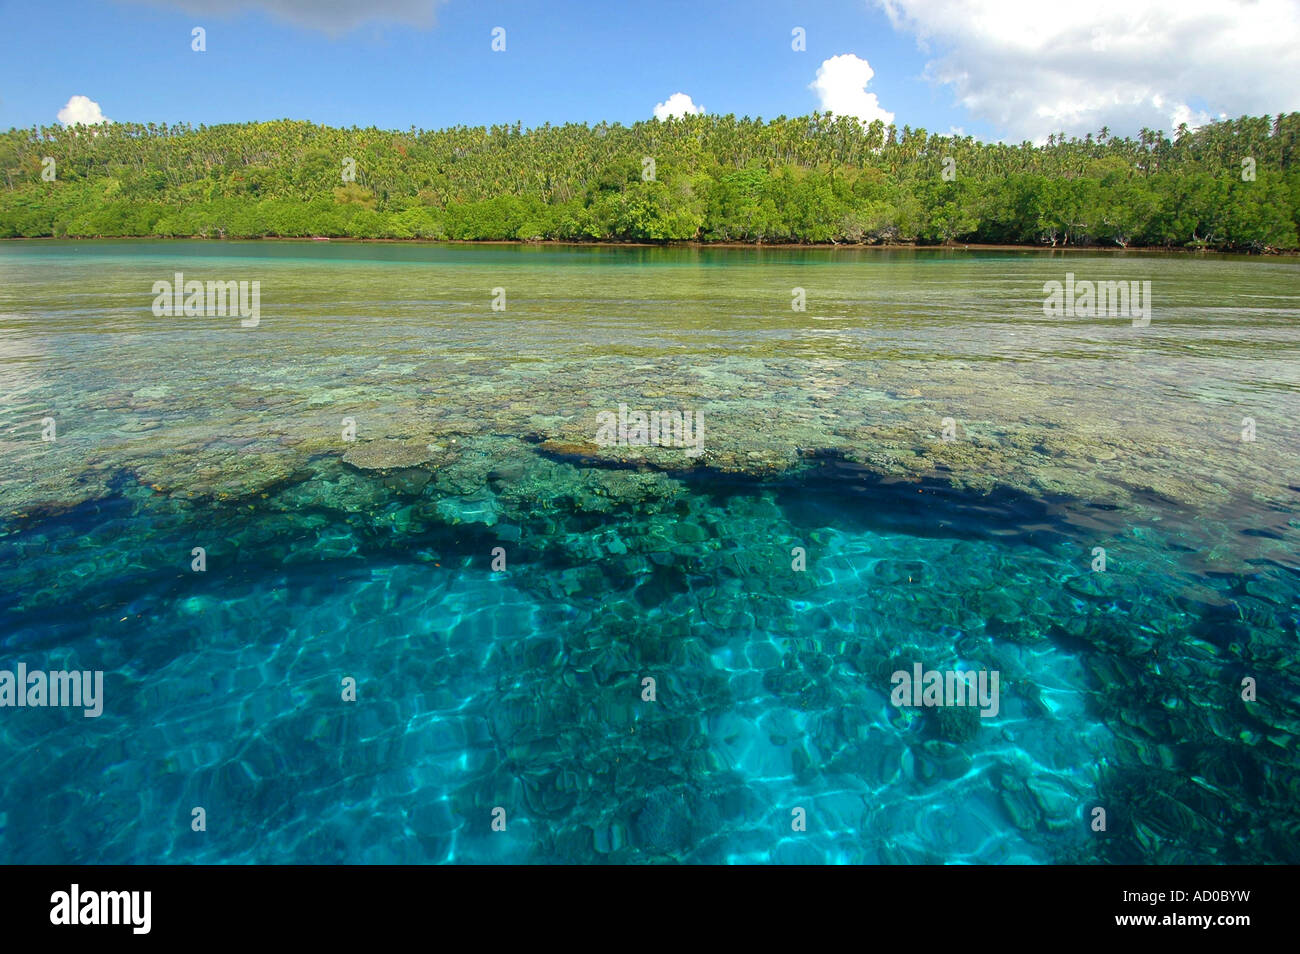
[(1232, 185)]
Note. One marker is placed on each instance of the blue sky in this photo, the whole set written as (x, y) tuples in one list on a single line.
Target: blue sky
[(1001, 69), (564, 61)]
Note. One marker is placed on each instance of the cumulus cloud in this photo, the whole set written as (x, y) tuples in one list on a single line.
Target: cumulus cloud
[(841, 87), (331, 16), (81, 110), (678, 104), (1032, 68)]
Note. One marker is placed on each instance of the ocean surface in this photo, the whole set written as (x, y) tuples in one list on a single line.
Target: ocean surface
[(368, 580)]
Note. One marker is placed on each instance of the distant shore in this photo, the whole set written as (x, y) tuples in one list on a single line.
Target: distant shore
[(563, 243)]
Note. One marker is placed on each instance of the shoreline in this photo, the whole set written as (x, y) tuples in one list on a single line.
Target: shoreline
[(757, 246)]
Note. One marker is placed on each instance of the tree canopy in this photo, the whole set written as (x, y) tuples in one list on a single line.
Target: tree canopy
[(818, 178)]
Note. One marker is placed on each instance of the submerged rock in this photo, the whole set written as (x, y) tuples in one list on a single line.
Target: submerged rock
[(956, 723)]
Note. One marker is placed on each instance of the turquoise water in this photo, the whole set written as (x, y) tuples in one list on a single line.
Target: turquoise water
[(520, 687)]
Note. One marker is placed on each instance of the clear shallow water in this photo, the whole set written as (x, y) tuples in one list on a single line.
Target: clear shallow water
[(522, 688)]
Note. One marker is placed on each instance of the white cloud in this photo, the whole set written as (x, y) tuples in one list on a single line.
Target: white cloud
[(1033, 68), (83, 110), (841, 88), (331, 16), (678, 104)]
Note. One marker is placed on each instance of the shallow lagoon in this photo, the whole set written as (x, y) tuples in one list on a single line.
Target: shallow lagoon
[(521, 688)]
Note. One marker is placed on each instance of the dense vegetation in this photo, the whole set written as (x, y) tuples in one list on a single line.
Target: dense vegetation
[(716, 178)]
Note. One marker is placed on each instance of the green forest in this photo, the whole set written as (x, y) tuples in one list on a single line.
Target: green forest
[(1232, 185)]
